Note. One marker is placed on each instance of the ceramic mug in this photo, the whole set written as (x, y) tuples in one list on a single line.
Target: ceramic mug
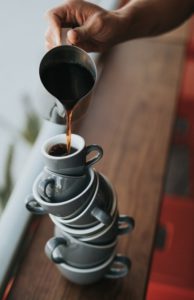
[(98, 208), (116, 266), (120, 225), (54, 187), (72, 164), (68, 208), (76, 253), (92, 229)]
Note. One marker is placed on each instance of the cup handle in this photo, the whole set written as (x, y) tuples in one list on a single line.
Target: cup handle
[(43, 185), (119, 267), (97, 157), (101, 215), (33, 206), (125, 224), (52, 245)]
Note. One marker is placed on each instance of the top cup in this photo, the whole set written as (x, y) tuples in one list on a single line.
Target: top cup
[(73, 164)]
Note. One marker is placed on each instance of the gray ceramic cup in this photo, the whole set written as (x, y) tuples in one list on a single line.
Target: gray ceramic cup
[(54, 187), (76, 253), (72, 164), (92, 229), (68, 208), (116, 266), (96, 210), (121, 225)]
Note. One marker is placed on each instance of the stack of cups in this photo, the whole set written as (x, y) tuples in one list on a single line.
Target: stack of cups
[(82, 204)]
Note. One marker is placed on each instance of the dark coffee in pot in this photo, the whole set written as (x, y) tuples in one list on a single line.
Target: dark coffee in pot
[(68, 82)]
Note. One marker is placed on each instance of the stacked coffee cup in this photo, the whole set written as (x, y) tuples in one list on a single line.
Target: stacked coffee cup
[(82, 204)]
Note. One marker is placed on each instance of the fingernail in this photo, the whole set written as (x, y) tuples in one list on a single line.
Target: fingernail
[(73, 36)]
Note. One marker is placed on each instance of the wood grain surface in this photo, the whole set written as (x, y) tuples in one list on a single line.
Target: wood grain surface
[(131, 116)]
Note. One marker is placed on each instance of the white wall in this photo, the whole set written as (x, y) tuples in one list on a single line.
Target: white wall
[(22, 29)]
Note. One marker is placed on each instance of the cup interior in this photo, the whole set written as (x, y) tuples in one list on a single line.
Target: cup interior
[(77, 142)]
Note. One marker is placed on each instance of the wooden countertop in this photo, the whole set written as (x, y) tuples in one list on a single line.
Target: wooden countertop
[(131, 116)]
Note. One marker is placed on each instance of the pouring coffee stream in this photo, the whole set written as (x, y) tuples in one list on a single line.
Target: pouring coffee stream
[(69, 74)]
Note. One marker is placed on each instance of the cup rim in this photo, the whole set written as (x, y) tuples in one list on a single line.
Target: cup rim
[(89, 270), (80, 242), (83, 212), (51, 204), (52, 173), (45, 146), (92, 229)]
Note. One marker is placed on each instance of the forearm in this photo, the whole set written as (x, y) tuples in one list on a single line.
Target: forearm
[(144, 18)]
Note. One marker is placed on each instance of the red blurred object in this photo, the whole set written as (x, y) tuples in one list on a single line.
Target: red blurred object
[(185, 111), (187, 85), (190, 46), (172, 275), (158, 291)]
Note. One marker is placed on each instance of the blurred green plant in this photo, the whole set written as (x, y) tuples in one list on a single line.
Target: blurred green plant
[(32, 121), (29, 133), (6, 189)]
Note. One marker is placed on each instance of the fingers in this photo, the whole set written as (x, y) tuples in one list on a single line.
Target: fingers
[(89, 21), (50, 41), (73, 36), (79, 34), (54, 31)]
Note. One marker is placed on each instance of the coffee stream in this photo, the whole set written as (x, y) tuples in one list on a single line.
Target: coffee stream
[(68, 131), (68, 82)]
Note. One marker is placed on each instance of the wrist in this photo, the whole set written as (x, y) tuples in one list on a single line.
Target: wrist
[(126, 17), (139, 20)]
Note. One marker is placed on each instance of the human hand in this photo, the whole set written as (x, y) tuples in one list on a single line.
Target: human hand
[(94, 28)]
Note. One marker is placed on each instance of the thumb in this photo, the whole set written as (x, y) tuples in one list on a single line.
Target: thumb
[(78, 34)]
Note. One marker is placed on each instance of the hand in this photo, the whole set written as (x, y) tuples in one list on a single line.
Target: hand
[(94, 29)]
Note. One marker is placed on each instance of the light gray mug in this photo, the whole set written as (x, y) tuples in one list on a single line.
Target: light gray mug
[(79, 231), (120, 225), (54, 187), (69, 250), (116, 266), (98, 208), (71, 164), (68, 208)]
